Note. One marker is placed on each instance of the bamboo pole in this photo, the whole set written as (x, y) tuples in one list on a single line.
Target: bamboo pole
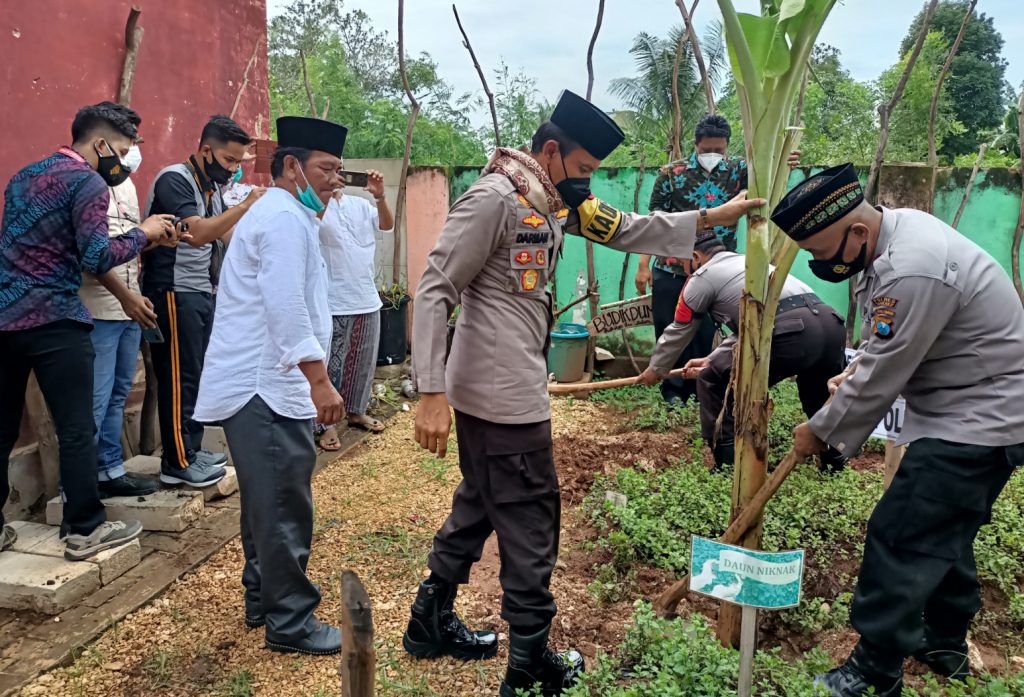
[(933, 157), (885, 110), (483, 80)]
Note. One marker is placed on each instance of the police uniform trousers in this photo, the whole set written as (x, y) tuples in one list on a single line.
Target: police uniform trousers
[(509, 486), (918, 577), (274, 458), (809, 341), (665, 289)]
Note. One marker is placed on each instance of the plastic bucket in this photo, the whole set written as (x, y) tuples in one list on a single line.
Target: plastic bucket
[(567, 356)]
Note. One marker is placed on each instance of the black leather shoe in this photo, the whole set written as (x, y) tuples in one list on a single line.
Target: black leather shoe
[(254, 617), (531, 662), (322, 641), (435, 630), (128, 485), (861, 672), (951, 662)]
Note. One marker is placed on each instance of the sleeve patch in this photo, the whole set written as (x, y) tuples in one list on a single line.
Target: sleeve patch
[(684, 314), (599, 222)]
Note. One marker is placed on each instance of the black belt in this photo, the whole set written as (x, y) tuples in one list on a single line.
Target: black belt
[(795, 301)]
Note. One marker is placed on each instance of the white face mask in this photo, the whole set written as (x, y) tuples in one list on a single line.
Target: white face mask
[(710, 160), (133, 160)]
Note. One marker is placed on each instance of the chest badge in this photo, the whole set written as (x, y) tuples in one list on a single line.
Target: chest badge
[(542, 258), (524, 258), (533, 220), (528, 279)]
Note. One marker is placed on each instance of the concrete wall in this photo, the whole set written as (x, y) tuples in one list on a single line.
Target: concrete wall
[(384, 256), (427, 201)]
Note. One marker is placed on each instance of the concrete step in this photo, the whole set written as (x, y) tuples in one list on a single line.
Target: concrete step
[(143, 464), (44, 584), (44, 540), (167, 510), (215, 441)]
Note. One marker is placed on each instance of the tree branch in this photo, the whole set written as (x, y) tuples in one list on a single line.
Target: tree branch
[(396, 259), (933, 157), (483, 80), (698, 57), (591, 293), (677, 109), (885, 110), (245, 78), (132, 39), (591, 265), (970, 185), (590, 49), (305, 81)]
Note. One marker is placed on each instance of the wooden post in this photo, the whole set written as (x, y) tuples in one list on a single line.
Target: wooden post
[(46, 436), (132, 39), (591, 268), (893, 457), (358, 656)]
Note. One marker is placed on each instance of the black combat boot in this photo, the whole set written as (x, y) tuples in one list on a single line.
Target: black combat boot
[(866, 668), (944, 655), (724, 453), (530, 661), (435, 630), (831, 461)]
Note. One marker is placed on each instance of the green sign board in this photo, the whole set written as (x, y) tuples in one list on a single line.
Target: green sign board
[(769, 580)]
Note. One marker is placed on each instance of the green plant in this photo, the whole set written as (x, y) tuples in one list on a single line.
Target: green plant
[(815, 614), (159, 670), (240, 684), (650, 412), (393, 295)]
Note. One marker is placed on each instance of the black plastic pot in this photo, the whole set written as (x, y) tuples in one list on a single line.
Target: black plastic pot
[(393, 345)]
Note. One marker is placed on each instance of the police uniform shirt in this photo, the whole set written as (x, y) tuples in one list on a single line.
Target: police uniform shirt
[(498, 253), (944, 327), (714, 289)]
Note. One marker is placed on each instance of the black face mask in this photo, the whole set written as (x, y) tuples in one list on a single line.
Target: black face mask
[(835, 269), (215, 171), (574, 190), (110, 167)]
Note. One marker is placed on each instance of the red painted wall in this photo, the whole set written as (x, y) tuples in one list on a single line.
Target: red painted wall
[(59, 55)]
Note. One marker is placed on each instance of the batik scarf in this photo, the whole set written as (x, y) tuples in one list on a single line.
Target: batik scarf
[(530, 180)]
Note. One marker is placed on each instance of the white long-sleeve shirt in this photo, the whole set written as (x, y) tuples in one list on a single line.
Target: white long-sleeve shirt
[(271, 314)]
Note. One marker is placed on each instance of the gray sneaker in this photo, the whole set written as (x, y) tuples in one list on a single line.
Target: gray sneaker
[(211, 458), (199, 474), (8, 536), (112, 533)]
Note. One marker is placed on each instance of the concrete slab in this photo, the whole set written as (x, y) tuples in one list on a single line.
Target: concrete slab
[(44, 584), (34, 538), (143, 464), (225, 487), (168, 510), (215, 441)]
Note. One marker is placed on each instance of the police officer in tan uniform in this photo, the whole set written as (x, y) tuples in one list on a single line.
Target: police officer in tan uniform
[(808, 342), (944, 327), (497, 253)]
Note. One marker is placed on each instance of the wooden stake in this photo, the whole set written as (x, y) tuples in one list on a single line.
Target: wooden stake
[(933, 157), (885, 110), (483, 80), (748, 646), (245, 78), (1019, 232), (893, 456), (358, 656), (572, 387), (396, 259), (132, 39), (970, 185), (591, 268)]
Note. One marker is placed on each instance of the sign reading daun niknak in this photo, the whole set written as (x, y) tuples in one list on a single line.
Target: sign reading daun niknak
[(624, 315), (746, 577)]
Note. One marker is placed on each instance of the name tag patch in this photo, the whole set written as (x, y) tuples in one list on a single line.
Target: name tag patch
[(532, 237)]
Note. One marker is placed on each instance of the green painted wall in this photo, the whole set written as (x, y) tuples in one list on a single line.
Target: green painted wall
[(989, 220)]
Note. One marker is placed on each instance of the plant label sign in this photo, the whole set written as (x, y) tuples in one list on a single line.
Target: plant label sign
[(623, 315), (769, 580), (891, 424)]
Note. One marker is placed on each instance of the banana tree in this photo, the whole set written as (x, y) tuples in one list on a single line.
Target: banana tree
[(769, 54)]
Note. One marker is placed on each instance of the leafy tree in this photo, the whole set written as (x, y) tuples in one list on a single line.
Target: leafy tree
[(838, 115), (976, 83), (908, 135), (519, 112)]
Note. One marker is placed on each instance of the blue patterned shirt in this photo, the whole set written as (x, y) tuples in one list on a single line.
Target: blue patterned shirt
[(686, 186), (54, 228)]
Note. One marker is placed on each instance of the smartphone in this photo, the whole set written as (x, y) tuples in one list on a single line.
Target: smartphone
[(359, 179), (153, 335)]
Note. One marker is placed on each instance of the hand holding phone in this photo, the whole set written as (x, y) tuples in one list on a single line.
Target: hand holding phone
[(352, 178)]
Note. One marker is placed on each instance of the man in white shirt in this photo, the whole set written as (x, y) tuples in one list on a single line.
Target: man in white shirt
[(265, 379)]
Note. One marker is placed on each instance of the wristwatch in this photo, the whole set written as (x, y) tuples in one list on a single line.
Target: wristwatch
[(378, 199), (704, 219)]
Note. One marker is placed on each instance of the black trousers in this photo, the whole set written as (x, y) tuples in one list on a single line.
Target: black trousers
[(61, 355), (509, 486), (275, 457), (918, 575), (808, 342), (665, 290), (185, 320)]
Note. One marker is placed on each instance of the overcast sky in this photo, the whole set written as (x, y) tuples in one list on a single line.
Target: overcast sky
[(548, 39)]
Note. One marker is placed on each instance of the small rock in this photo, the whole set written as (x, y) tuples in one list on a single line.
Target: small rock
[(826, 608), (974, 656), (113, 665), (56, 619), (1017, 664)]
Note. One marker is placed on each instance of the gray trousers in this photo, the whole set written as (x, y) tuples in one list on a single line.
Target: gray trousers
[(274, 458)]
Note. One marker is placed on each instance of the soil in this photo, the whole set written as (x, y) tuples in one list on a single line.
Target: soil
[(376, 511)]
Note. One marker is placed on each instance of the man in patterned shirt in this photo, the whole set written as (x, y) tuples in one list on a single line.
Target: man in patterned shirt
[(54, 228), (707, 179)]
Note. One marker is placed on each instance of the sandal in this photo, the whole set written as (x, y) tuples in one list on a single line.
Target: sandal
[(329, 441), (365, 422)]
